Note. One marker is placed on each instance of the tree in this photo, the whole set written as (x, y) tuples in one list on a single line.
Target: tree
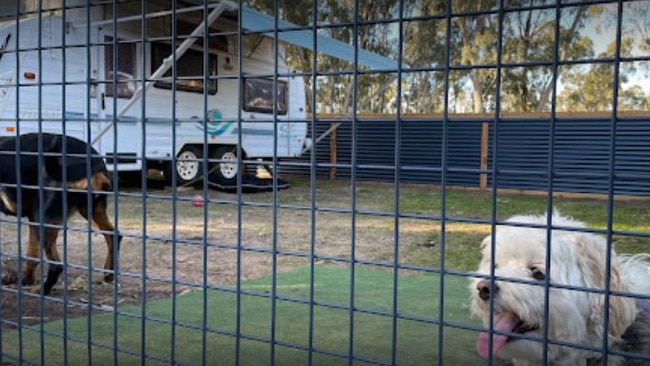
[(591, 88), (528, 42), (529, 37), (424, 47), (634, 98), (334, 90), (475, 36)]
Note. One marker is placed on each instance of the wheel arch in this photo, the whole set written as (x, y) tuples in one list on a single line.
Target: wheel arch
[(212, 147)]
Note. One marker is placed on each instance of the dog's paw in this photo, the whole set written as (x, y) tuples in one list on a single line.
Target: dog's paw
[(28, 281), (36, 290), (9, 276)]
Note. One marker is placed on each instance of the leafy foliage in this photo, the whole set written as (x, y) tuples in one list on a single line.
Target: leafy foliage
[(540, 45)]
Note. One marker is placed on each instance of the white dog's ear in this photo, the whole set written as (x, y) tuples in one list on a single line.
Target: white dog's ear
[(591, 262), (486, 249), (556, 213), (485, 244)]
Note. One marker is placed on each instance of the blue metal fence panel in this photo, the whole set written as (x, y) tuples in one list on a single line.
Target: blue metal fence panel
[(420, 154), (580, 153)]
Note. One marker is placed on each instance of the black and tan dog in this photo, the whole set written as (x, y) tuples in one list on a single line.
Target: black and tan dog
[(44, 207)]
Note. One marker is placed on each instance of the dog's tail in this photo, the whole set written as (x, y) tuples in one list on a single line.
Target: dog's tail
[(75, 163), (635, 271)]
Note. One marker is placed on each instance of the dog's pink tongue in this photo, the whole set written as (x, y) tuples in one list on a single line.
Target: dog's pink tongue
[(505, 322)]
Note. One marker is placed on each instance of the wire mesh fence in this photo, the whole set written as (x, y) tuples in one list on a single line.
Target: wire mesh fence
[(305, 183)]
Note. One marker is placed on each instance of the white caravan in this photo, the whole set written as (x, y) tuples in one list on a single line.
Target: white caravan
[(137, 93)]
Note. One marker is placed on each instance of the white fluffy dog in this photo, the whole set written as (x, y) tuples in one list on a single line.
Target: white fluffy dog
[(575, 316)]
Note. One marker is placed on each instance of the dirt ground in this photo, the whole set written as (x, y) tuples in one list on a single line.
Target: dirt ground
[(169, 240)]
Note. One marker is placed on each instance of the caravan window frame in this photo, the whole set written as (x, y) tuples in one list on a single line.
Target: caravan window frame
[(186, 78), (126, 80), (254, 92)]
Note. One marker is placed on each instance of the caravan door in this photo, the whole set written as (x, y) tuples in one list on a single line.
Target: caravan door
[(118, 82)]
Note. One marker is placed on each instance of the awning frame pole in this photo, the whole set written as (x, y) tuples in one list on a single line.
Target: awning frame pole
[(362, 104)]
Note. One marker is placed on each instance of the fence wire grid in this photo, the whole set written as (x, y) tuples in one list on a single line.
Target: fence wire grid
[(324, 183)]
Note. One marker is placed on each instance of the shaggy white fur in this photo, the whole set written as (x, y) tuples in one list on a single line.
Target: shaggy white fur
[(575, 316)]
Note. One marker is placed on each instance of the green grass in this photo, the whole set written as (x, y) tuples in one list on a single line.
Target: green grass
[(417, 342), (423, 245), (418, 295), (461, 251)]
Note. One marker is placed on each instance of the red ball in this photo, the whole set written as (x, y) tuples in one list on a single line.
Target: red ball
[(197, 200)]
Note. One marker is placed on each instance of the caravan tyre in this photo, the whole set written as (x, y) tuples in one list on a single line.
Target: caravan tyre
[(188, 168), (226, 169)]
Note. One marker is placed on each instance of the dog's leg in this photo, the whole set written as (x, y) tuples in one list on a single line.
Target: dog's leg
[(53, 269), (9, 276), (33, 251), (100, 218), (101, 221)]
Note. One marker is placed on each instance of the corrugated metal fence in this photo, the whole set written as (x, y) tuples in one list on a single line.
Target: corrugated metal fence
[(581, 151)]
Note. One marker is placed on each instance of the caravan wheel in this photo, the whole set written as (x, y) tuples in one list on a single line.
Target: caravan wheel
[(188, 168), (225, 171)]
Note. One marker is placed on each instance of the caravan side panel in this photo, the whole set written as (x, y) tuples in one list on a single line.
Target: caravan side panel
[(42, 94)]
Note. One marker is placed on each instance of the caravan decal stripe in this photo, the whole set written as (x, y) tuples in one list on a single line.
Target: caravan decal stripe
[(253, 132), (79, 116), (216, 130), (214, 127)]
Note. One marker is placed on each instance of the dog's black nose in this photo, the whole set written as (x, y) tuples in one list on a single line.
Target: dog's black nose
[(483, 288)]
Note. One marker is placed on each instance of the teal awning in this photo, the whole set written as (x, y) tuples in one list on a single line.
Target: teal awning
[(256, 21)]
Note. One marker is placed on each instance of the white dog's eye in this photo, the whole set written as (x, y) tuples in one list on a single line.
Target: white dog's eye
[(537, 273)]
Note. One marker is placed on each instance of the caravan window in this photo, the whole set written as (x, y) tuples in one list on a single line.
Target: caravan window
[(125, 71), (189, 69), (258, 96)]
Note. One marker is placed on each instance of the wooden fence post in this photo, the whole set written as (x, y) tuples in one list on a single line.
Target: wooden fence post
[(333, 151), (485, 144)]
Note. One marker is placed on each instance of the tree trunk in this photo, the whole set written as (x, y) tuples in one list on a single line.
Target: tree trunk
[(477, 92), (546, 90)]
